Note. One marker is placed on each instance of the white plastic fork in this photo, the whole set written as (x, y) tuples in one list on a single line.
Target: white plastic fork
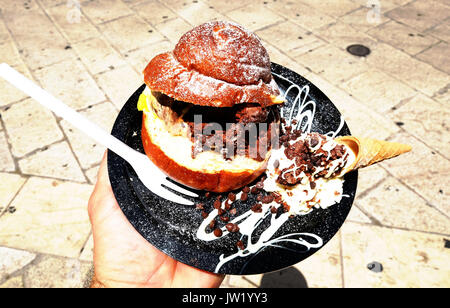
[(148, 173)]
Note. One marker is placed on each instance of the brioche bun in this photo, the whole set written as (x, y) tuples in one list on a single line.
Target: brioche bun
[(217, 64)]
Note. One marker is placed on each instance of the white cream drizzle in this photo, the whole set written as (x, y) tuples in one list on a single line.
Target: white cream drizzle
[(248, 223), (326, 193)]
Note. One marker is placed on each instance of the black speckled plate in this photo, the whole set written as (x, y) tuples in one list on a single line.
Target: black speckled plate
[(172, 227)]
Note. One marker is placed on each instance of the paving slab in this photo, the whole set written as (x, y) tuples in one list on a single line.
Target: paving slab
[(441, 31), (19, 7), (400, 2), (290, 38), (13, 260), (133, 2), (40, 41), (421, 15), (51, 3), (72, 22), (88, 151), (30, 127), (195, 12), (8, 93), (254, 16), (97, 55), (113, 86), (369, 177), (332, 63), (342, 35), (92, 173), (154, 12), (71, 83), (438, 56), (333, 8), (425, 119), (54, 272), (12, 283), (324, 268), (173, 29), (356, 215), (225, 6), (48, 219), (378, 90), (10, 54), (393, 204), (302, 14), (6, 160), (129, 33), (88, 250), (4, 34), (9, 187), (423, 170), (55, 161), (402, 37), (421, 76), (367, 18), (422, 264), (101, 11)]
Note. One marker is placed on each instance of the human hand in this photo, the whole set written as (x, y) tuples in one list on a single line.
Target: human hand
[(123, 258)]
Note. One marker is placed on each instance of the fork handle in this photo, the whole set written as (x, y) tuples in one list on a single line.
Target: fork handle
[(65, 112)]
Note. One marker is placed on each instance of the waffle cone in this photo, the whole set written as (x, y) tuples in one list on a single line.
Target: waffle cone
[(370, 151)]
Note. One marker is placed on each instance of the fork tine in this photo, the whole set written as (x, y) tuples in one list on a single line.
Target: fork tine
[(166, 194), (179, 189)]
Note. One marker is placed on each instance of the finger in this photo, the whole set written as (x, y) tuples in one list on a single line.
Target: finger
[(102, 176), (102, 198)]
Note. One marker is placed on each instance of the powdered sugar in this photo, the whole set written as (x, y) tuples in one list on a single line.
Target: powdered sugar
[(215, 64), (224, 51)]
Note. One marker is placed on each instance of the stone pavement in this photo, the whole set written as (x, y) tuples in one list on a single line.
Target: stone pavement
[(90, 54)]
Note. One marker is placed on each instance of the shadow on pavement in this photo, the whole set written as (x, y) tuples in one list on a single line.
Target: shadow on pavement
[(286, 278)]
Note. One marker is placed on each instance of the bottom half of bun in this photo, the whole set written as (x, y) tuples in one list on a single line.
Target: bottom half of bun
[(207, 171)]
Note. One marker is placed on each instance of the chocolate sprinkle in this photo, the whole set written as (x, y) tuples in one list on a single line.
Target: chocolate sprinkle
[(233, 228), (218, 232), (257, 208), (244, 197), (267, 199), (225, 218), (232, 197)]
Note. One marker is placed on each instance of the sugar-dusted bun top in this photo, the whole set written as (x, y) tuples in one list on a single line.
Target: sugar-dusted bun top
[(224, 51), (216, 64)]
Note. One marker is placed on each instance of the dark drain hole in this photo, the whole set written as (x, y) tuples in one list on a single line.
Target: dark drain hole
[(358, 50)]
